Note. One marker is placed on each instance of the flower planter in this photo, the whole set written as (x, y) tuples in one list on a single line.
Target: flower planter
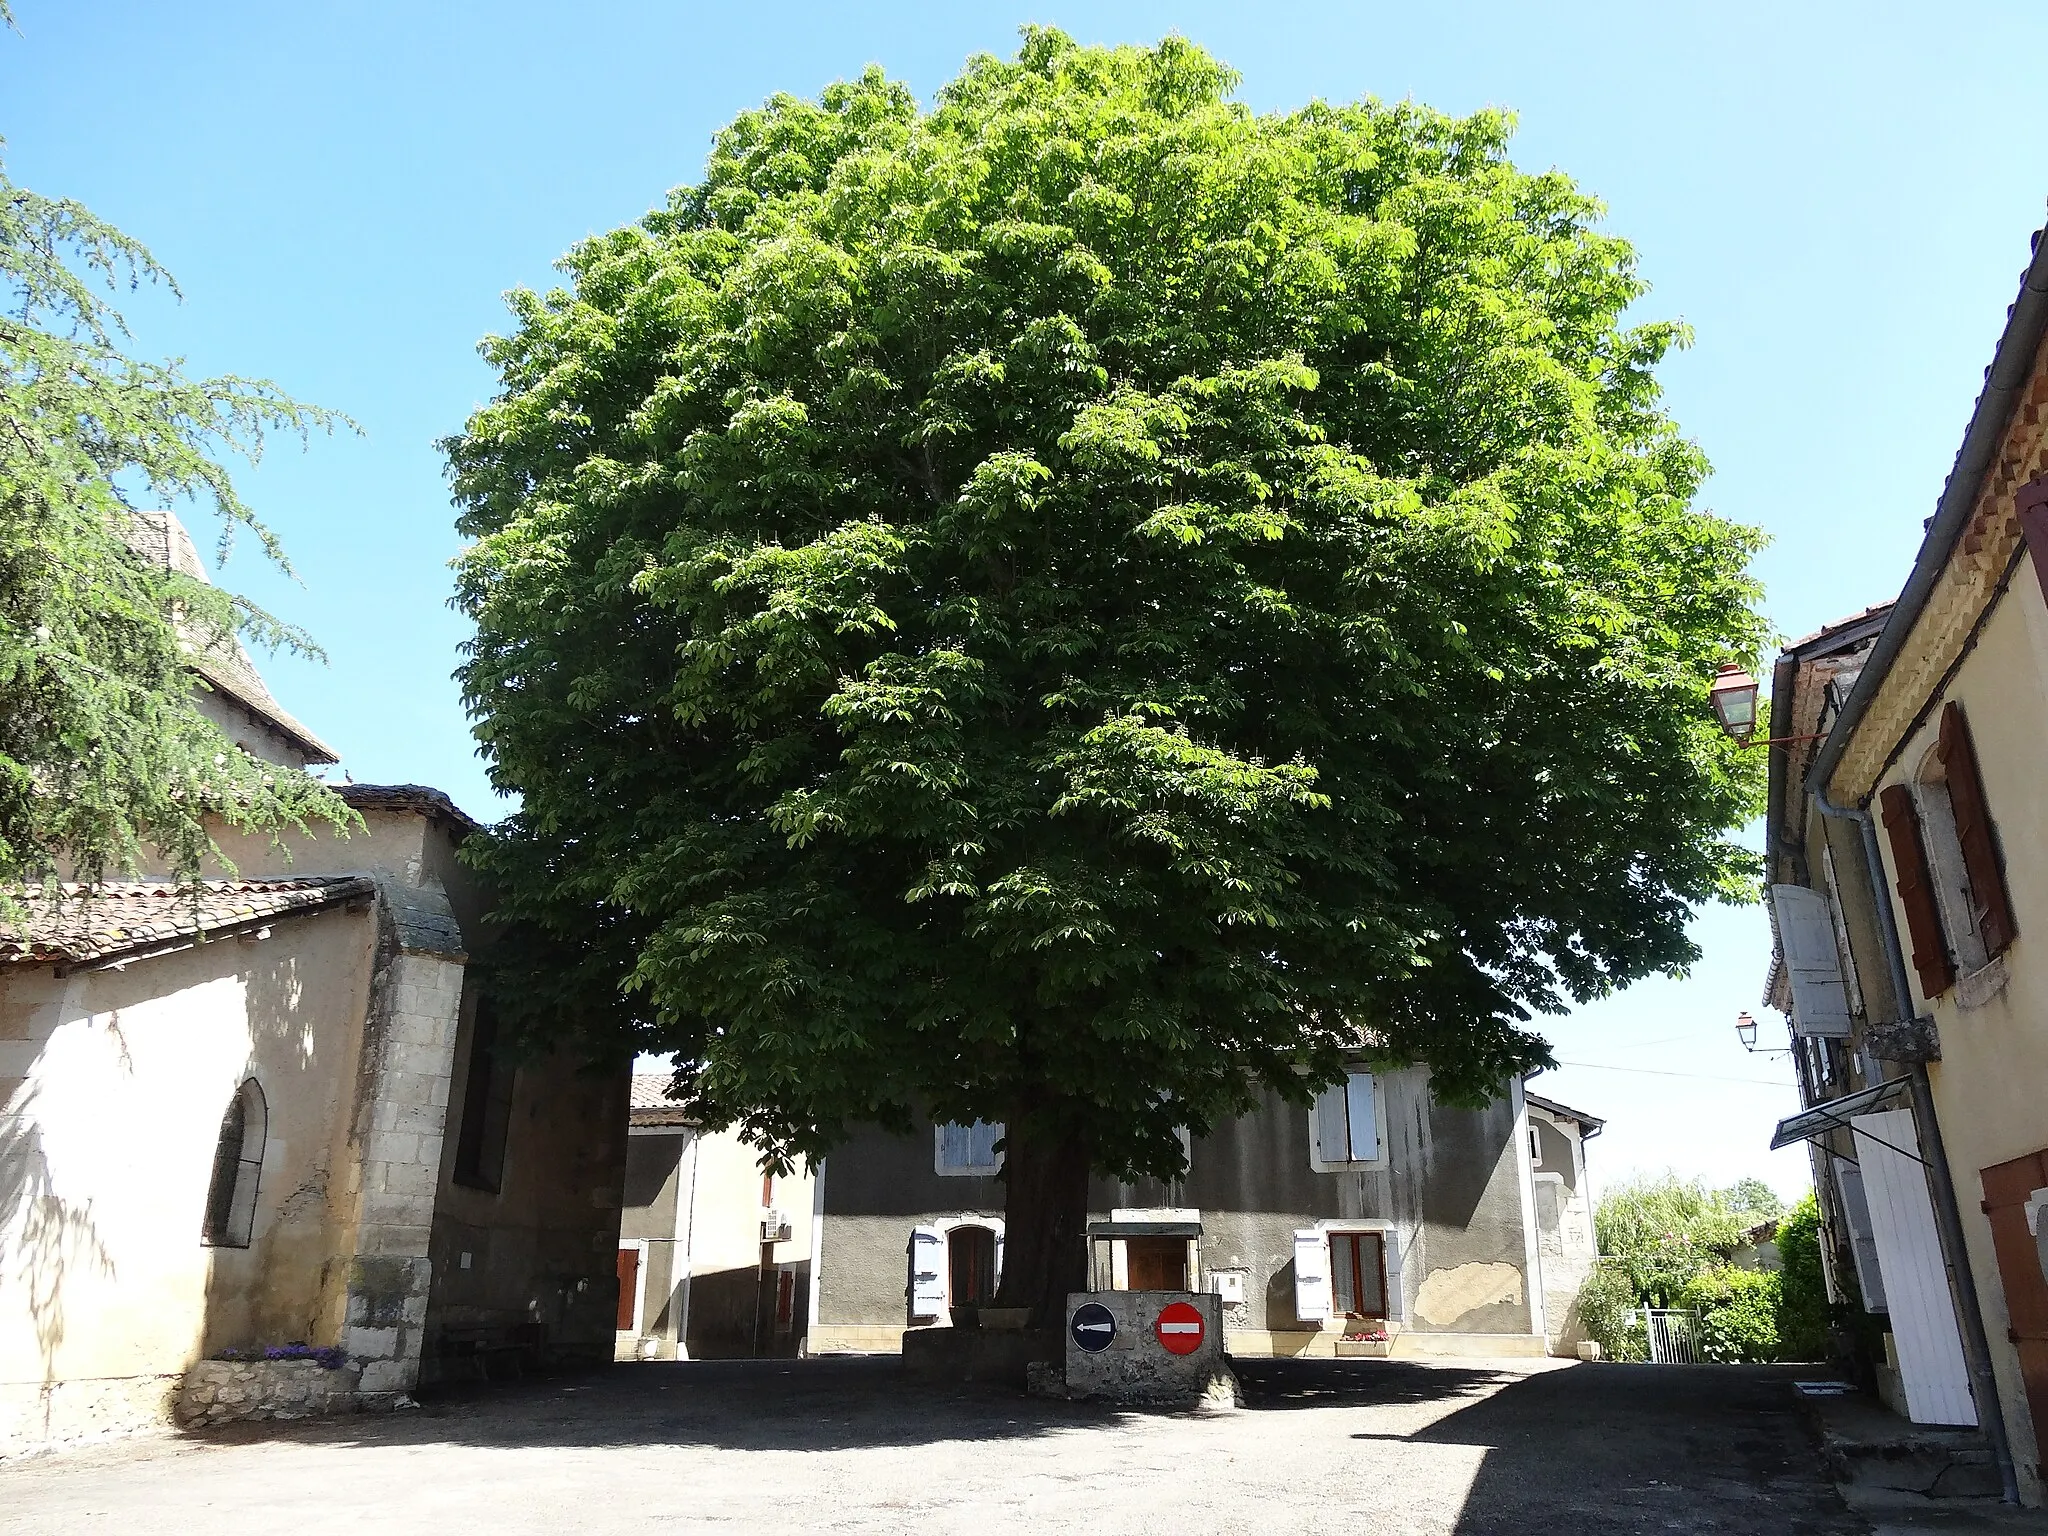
[(1367, 1349)]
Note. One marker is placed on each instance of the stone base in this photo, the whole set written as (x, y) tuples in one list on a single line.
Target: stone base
[(226, 1391), (999, 1356)]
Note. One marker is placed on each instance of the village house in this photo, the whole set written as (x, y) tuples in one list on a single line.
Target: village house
[(714, 1252), (1906, 859), (271, 1111), (1378, 1212)]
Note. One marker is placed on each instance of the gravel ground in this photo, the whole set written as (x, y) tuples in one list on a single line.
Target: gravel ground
[(853, 1445)]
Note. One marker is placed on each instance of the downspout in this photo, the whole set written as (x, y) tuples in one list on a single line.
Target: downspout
[(1948, 1220)]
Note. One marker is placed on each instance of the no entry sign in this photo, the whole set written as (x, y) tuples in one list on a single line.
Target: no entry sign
[(1179, 1328), (1094, 1327)]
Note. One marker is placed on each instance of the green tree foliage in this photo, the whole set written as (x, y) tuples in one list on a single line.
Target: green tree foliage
[(1612, 1315), (1086, 602), (1803, 1311), (103, 752), (1736, 1312), (1665, 1232), (1755, 1199)]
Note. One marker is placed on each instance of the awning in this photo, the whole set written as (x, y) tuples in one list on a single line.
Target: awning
[(1109, 1229), (1835, 1114)]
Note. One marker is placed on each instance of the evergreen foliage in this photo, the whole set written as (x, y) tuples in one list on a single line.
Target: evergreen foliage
[(1804, 1314), (1665, 1232), (1086, 604), (103, 752)]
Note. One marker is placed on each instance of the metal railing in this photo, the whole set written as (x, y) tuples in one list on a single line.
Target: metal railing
[(1673, 1339)]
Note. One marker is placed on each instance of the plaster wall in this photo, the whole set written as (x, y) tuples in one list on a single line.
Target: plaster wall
[(115, 1082), (1566, 1247), (1452, 1191), (1987, 1086)]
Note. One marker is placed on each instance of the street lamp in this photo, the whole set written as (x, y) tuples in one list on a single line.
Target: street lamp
[(1734, 699), (1745, 1030)]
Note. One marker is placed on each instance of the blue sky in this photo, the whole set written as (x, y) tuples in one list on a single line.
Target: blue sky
[(1837, 197)]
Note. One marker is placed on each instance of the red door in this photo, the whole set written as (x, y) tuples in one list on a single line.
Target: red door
[(2006, 1188), (629, 1286)]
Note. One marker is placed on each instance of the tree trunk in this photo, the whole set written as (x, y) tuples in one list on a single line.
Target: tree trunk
[(1045, 1216)]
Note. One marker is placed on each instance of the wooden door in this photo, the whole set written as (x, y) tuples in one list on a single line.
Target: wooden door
[(2007, 1187), (629, 1288), (1156, 1263), (971, 1267)]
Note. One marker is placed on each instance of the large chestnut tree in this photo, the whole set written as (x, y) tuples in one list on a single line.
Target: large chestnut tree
[(1086, 602)]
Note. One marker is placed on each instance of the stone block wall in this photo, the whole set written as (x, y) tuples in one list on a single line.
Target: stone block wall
[(224, 1391)]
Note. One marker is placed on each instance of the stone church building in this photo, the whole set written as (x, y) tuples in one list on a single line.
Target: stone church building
[(270, 1114)]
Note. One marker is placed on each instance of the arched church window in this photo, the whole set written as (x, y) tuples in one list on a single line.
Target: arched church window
[(237, 1164)]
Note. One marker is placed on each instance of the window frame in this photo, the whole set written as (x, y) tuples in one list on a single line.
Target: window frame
[(1331, 1237), (967, 1170), (1318, 1163)]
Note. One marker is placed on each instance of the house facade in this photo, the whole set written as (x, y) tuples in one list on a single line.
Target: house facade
[(1929, 1001), (1456, 1231), (270, 1111), (714, 1254)]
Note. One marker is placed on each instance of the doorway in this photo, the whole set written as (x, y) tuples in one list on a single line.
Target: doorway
[(1156, 1263), (970, 1267)]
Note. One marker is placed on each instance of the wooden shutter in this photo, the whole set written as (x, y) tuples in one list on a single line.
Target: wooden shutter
[(1806, 938), (1916, 892), (1332, 1127), (1362, 1111), (2032, 505), (1392, 1240), (1973, 830), (1311, 1277), (927, 1272)]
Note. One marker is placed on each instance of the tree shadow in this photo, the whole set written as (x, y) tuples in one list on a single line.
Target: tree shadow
[(44, 1240), (1640, 1447)]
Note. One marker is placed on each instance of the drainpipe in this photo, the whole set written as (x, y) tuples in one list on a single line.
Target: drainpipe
[(1948, 1220)]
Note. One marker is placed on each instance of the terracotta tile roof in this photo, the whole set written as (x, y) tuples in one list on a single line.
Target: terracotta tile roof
[(1874, 611), (406, 797), (650, 1103), (130, 915)]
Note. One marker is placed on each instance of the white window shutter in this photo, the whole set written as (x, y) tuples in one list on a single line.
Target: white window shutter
[(927, 1272), (1393, 1241), (986, 1135), (1862, 1236), (1806, 933), (1363, 1110), (1332, 1136), (999, 1253), (1311, 1277)]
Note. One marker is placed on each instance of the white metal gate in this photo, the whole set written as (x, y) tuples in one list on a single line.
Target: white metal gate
[(1671, 1336)]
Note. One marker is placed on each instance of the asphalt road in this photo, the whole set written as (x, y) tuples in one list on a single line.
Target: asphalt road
[(1365, 1446)]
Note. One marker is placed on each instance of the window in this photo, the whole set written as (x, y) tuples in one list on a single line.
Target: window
[(1347, 1272), (230, 1219), (954, 1262), (1950, 874), (1358, 1274), (1535, 1146), (967, 1151), (1344, 1127), (486, 1108)]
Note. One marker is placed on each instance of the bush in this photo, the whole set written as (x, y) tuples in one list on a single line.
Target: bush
[(1607, 1309), (1803, 1311), (1665, 1232), (1737, 1313)]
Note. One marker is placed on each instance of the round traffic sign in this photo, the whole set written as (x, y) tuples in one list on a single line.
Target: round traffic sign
[(1179, 1328), (1094, 1326)]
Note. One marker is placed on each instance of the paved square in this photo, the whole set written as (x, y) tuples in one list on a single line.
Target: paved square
[(855, 1445)]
